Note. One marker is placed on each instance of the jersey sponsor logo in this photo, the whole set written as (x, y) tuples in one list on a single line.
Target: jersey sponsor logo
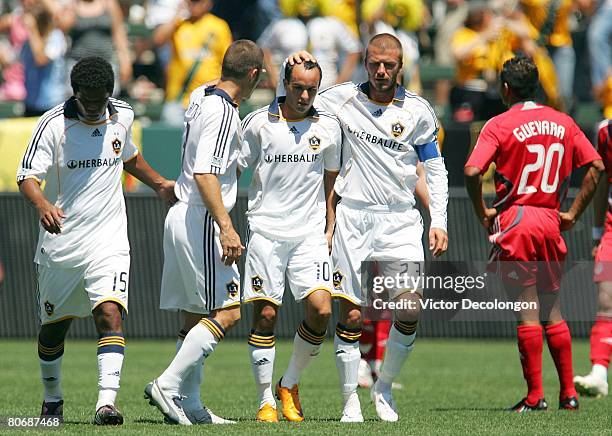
[(290, 158), (93, 163), (397, 129), (116, 146), (49, 308), (337, 278), (232, 288), (257, 283), (314, 143), (377, 140), (96, 133)]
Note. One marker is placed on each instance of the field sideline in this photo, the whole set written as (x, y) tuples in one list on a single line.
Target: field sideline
[(451, 387)]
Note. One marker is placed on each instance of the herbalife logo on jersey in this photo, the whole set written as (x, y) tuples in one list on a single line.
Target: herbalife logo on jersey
[(291, 158), (96, 133), (93, 163)]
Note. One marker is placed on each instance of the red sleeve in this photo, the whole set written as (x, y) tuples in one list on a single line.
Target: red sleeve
[(584, 152), (485, 149)]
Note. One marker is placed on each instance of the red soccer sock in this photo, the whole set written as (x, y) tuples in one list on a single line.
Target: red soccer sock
[(381, 331), (560, 347), (530, 343), (601, 341)]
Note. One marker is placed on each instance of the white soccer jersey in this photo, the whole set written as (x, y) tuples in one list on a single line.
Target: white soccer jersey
[(211, 141), (286, 196), (82, 164), (382, 146), (324, 37)]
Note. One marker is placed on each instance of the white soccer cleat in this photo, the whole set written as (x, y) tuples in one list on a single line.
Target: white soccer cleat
[(591, 386), (217, 419), (169, 405), (364, 378), (352, 410), (383, 402)]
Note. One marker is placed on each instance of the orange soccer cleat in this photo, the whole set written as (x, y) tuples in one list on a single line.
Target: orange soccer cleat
[(290, 400)]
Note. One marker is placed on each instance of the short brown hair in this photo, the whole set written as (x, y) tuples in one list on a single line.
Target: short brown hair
[(240, 58)]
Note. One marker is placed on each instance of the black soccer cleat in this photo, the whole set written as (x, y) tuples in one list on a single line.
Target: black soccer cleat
[(52, 409), (108, 415), (569, 403), (522, 406)]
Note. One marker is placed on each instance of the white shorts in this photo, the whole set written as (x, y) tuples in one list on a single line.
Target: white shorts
[(363, 235), (65, 293), (305, 262), (194, 278)]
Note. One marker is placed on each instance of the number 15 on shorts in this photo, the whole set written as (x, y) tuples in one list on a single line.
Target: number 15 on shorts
[(120, 281)]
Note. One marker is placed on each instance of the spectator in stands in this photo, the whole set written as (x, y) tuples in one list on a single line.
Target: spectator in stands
[(13, 81), (401, 18), (456, 13), (43, 61), (96, 28), (160, 12), (600, 35), (326, 37), (198, 45), (478, 59), (551, 20)]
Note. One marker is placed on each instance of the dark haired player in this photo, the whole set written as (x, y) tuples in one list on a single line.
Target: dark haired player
[(535, 148), (294, 150), (80, 149)]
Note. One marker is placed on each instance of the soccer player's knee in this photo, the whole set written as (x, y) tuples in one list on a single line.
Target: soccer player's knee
[(324, 312), (353, 318), (267, 319), (407, 315), (107, 317)]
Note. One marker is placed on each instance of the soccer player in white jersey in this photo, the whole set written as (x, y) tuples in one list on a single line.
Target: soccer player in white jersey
[(80, 149), (294, 150), (200, 277), (387, 131)]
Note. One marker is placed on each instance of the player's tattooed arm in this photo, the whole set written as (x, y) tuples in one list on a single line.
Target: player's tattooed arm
[(210, 191), (331, 200), (473, 185), (587, 190), (51, 216), (140, 168)]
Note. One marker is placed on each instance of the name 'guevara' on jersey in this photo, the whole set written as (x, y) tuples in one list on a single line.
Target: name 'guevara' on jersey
[(81, 164), (288, 157), (385, 143)]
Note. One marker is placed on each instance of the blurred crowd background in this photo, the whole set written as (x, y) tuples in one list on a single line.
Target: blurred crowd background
[(163, 49)]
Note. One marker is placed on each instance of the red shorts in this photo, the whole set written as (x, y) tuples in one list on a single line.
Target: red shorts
[(528, 248), (603, 258)]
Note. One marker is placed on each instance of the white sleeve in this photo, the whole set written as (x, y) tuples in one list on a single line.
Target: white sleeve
[(40, 153), (218, 126), (130, 150), (436, 177), (268, 39), (250, 147), (345, 39), (332, 157)]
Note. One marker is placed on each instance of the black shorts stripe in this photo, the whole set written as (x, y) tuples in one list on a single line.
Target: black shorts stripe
[(207, 259), (28, 156), (213, 262)]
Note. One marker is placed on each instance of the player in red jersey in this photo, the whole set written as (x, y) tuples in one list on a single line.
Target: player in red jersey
[(596, 383), (535, 148)]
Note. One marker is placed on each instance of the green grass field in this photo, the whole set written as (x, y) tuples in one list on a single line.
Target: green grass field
[(450, 387)]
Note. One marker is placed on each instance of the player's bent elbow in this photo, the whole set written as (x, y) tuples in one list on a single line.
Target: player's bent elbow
[(471, 171)]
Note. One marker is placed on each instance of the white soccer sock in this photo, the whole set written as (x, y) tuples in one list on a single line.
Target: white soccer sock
[(346, 347), (399, 346), (50, 374), (306, 345), (111, 348), (50, 359), (190, 387), (262, 353), (600, 372), (199, 343)]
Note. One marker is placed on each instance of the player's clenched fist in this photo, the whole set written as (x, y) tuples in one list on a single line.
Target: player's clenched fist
[(51, 217), (166, 192)]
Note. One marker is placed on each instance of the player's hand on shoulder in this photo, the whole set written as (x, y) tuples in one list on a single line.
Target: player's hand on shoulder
[(232, 247), (300, 56), (51, 217), (568, 220), (438, 241), (166, 192)]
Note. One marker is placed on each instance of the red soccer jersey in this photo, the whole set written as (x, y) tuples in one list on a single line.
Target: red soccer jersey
[(535, 148), (604, 145)]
